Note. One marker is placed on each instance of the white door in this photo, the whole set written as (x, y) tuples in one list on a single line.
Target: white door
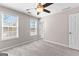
[(73, 31)]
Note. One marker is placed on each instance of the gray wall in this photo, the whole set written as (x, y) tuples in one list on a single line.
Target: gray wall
[(24, 35), (56, 26)]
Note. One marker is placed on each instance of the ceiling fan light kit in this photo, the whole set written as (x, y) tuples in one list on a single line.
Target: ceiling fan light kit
[(40, 7)]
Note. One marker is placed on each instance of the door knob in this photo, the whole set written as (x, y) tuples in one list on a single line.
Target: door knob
[(70, 32)]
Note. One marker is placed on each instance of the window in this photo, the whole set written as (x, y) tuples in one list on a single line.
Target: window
[(33, 27), (9, 26)]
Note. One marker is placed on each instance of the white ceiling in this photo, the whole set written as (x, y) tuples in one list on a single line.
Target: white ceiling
[(54, 8)]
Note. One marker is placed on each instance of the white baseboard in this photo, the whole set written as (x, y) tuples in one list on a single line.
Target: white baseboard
[(56, 43), (16, 45), (61, 44)]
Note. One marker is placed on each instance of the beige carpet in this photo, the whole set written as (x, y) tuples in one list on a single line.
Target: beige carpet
[(41, 48)]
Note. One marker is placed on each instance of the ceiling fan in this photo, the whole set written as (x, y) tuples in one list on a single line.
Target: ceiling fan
[(41, 8)]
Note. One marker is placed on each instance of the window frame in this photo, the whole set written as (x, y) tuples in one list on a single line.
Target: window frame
[(35, 26), (17, 26)]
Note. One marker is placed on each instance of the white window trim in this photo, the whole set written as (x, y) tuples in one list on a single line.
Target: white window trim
[(36, 26), (17, 26)]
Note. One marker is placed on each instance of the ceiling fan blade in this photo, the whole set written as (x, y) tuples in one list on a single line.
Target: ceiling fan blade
[(46, 11), (38, 13), (47, 4)]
